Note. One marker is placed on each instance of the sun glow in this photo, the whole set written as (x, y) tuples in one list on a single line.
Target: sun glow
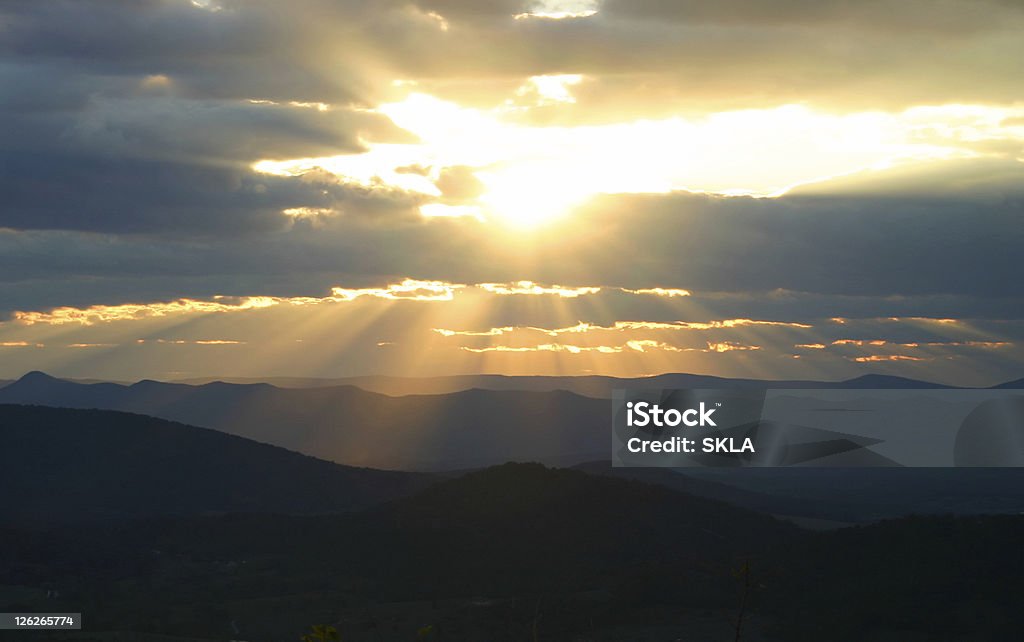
[(529, 175)]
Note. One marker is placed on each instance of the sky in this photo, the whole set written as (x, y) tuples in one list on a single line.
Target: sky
[(325, 188)]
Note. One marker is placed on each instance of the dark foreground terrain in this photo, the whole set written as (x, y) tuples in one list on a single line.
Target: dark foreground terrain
[(513, 552)]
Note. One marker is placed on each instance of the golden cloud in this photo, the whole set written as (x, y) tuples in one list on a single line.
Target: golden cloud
[(467, 333), (636, 345), (198, 342), (729, 346), (531, 288), (548, 347), (666, 292), (406, 290), (886, 357), (409, 289)]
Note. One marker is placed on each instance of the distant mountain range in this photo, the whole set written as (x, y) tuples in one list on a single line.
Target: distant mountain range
[(349, 425), (1016, 384), (344, 424), (587, 385), (62, 465)]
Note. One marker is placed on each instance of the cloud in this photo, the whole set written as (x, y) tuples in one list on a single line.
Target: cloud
[(643, 345), (729, 346), (108, 313), (635, 345), (408, 289), (192, 342), (548, 347), (132, 138), (533, 289), (493, 332), (459, 184), (885, 357), (668, 292)]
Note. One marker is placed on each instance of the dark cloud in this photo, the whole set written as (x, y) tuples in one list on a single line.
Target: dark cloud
[(943, 16), (459, 183), (117, 195), (896, 245), (952, 254)]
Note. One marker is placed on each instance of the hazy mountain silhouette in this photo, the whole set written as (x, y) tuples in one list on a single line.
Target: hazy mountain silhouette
[(66, 465), (1017, 384), (348, 425), (587, 385)]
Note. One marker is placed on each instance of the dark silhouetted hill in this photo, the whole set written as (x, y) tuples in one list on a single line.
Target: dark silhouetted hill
[(506, 529), (64, 465), (520, 548)]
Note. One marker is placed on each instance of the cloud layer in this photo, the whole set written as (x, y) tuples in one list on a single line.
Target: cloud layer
[(131, 132)]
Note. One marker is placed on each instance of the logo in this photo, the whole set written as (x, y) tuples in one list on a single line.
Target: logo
[(641, 414)]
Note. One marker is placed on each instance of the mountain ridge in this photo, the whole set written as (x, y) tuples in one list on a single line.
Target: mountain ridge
[(348, 425), (62, 464)]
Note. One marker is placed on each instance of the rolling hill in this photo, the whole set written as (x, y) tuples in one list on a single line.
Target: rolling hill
[(63, 465)]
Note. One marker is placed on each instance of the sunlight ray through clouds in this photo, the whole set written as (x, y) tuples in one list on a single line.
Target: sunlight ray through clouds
[(533, 174)]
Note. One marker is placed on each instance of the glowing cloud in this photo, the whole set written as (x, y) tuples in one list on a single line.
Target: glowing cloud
[(665, 292), (406, 290), (534, 174), (199, 342), (729, 346), (643, 345), (462, 333), (107, 313), (548, 347), (409, 289), (885, 357), (533, 289)]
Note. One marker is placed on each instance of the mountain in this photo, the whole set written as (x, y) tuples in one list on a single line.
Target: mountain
[(473, 428), (886, 382), (587, 385), (349, 425), (62, 465), (1011, 385), (843, 495)]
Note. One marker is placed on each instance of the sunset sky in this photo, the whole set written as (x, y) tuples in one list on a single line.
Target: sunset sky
[(786, 189)]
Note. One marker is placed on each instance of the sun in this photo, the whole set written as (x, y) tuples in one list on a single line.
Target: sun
[(528, 195), (524, 185), (526, 176)]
